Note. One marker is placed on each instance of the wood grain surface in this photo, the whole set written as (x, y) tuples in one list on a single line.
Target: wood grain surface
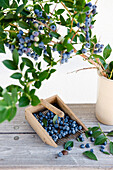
[(21, 148)]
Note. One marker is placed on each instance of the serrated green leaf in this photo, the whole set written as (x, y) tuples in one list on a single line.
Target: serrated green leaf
[(110, 133), (111, 147), (20, 9), (28, 62), (10, 64), (100, 140), (107, 51), (68, 143), (16, 76), (15, 56), (90, 155), (35, 100), (24, 101), (55, 118)]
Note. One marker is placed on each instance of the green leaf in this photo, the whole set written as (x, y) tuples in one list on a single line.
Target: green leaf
[(37, 50), (100, 140), (67, 144), (35, 100), (95, 128), (28, 62), (22, 66), (55, 118), (4, 3), (16, 76), (10, 64), (20, 9), (7, 99), (14, 95), (110, 133), (23, 25), (107, 51), (86, 9), (63, 22), (46, 8), (81, 18), (12, 113), (111, 147), (96, 134), (105, 152), (69, 47), (55, 34), (11, 87), (2, 49), (24, 101), (25, 1), (60, 47), (82, 38), (45, 122), (90, 155), (1, 90), (43, 75), (3, 115), (60, 11), (37, 84), (52, 70), (15, 56), (32, 92)]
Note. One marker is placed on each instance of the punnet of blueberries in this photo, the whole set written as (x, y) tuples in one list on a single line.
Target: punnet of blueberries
[(59, 129)]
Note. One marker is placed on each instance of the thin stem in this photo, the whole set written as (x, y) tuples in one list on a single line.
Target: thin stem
[(11, 31), (103, 132), (74, 35), (82, 69)]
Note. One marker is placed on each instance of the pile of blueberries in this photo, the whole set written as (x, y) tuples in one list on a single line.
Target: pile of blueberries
[(60, 128), (92, 139)]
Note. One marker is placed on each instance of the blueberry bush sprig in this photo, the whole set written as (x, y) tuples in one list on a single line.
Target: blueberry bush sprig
[(31, 31)]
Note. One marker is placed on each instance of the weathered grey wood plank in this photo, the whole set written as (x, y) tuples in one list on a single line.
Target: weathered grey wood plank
[(85, 112), (30, 151)]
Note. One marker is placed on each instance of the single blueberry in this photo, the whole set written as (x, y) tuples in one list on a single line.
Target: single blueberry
[(60, 154), (105, 143), (91, 150), (90, 132), (21, 40), (87, 145), (84, 51), (80, 128), (102, 146), (82, 146), (21, 32), (19, 36), (92, 139), (69, 148), (53, 27)]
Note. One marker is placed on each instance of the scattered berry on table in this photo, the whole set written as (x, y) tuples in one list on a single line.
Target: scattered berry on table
[(87, 145), (64, 152), (102, 146), (90, 132), (69, 148), (91, 150), (92, 139), (82, 146), (60, 154), (105, 143)]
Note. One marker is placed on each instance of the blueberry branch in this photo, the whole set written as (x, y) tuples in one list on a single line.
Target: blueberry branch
[(103, 132)]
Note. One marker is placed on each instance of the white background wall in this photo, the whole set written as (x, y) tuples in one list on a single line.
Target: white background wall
[(78, 87)]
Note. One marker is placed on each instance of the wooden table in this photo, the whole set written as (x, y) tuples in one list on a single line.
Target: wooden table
[(20, 146)]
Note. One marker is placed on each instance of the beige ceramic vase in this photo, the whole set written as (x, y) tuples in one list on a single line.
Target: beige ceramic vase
[(104, 105)]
